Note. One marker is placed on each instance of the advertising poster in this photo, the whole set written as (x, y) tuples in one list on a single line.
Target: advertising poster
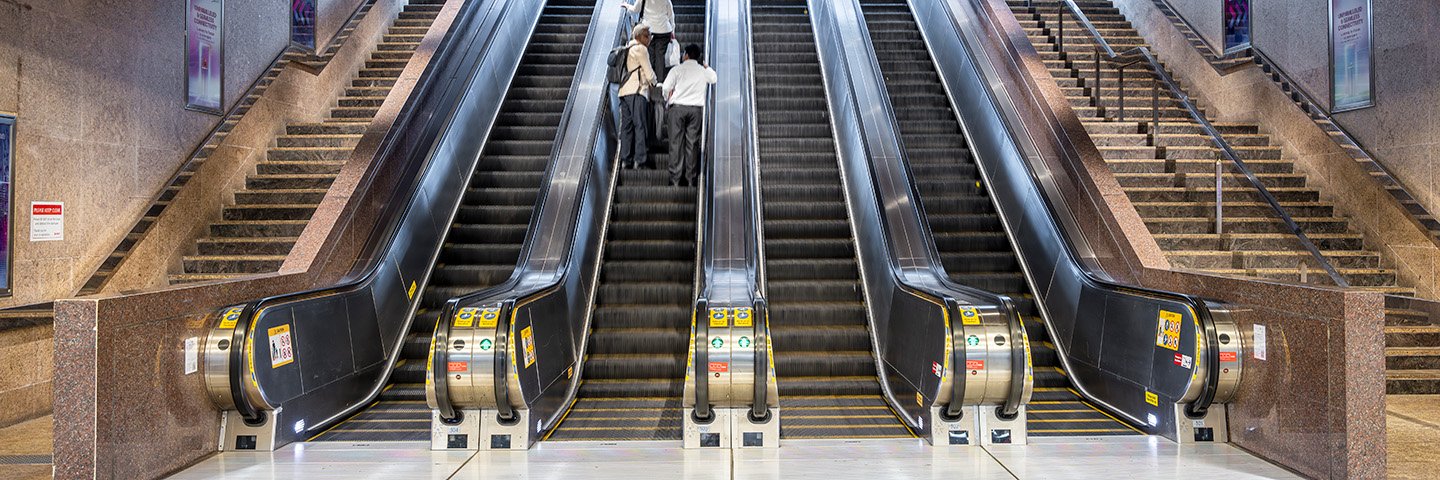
[(302, 23), (1350, 55), (1237, 25), (7, 145), (204, 59)]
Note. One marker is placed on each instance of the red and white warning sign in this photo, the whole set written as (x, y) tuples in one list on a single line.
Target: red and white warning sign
[(1228, 357), (935, 367), (974, 364), (47, 221), (719, 367), (282, 349), (457, 366), (1184, 360)]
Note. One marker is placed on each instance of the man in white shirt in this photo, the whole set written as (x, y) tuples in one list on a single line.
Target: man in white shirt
[(685, 90), (659, 15)]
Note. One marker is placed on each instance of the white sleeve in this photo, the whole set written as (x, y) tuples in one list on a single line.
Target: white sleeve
[(634, 7), (710, 76)]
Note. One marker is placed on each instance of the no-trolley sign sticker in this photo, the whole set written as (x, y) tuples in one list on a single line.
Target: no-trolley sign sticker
[(282, 349), (969, 316)]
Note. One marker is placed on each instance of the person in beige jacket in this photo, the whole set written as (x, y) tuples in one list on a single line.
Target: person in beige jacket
[(635, 102)]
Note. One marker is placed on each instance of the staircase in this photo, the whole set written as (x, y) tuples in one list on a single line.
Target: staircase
[(256, 233), (1169, 175)]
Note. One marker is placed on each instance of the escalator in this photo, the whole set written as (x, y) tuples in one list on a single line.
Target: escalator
[(634, 371), (967, 230), (823, 357), (485, 236)]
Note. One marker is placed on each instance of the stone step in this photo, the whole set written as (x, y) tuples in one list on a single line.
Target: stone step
[(268, 228), (1207, 194), (1370, 279), (318, 140), (1412, 382), (326, 128), (361, 101), (268, 212), (1235, 209), (311, 196), (1195, 166), (1259, 259), (1200, 180), (1412, 358), (298, 168), (308, 154), (245, 246), (288, 182), (1246, 225), (1258, 241), (1131, 152), (232, 264), (1412, 335)]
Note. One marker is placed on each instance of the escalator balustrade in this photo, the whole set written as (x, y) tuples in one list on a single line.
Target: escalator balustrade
[(968, 233), (484, 241)]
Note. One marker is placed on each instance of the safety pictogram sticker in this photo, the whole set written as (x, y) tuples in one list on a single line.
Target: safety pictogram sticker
[(231, 317), (282, 349), (1169, 336), (719, 317), (742, 317), (969, 316), (465, 318)]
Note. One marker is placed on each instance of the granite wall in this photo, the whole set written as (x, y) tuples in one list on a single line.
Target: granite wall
[(98, 88), (1205, 16), (1402, 130), (26, 368)]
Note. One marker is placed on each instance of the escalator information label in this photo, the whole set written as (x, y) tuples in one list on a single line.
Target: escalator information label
[(969, 316), (1152, 399), (1169, 328), (742, 317), (465, 318), (719, 318), (528, 340), (282, 350), (231, 316), (488, 318)]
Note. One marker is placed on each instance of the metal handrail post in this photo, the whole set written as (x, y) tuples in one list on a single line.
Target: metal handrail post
[(1120, 83), (1099, 109), (1155, 113), (1219, 196), (1060, 25)]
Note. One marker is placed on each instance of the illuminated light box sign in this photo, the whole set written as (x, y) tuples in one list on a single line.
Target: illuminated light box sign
[(204, 55)]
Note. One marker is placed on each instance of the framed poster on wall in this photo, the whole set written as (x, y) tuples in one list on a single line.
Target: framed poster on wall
[(1352, 63), (1237, 25), (7, 169), (204, 55), (302, 24)]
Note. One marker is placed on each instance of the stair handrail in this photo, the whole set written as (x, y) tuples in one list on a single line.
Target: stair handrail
[(1141, 54)]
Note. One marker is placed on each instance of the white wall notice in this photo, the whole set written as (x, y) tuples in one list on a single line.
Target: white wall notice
[(47, 221), (192, 355), (1259, 340)]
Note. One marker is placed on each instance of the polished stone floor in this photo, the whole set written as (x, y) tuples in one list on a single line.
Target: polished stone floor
[(1412, 433), (1149, 458), (28, 442)]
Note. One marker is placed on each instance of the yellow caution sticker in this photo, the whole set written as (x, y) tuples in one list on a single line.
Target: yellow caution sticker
[(1169, 336), (1152, 399), (465, 318), (488, 318), (742, 317), (719, 317), (282, 347), (969, 316), (919, 400), (411, 292), (528, 341), (231, 316)]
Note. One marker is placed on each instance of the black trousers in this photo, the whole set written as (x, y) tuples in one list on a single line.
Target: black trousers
[(634, 123), (685, 124), (658, 44)]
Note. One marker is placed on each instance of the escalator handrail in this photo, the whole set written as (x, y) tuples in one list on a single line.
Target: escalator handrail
[(702, 361), (1091, 277), (368, 262), (759, 408), (948, 290), (1142, 55)]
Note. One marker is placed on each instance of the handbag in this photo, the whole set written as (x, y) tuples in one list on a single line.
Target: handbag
[(672, 54)]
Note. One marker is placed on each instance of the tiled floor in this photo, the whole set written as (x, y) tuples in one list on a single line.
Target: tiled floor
[(1148, 458), (1412, 430), (29, 438)]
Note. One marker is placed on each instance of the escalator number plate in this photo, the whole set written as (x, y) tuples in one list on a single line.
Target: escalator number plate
[(1169, 336), (969, 316)]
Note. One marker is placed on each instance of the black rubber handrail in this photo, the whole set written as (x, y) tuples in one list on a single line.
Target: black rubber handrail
[(702, 362), (506, 413), (439, 374), (1142, 55), (955, 410), (759, 406)]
